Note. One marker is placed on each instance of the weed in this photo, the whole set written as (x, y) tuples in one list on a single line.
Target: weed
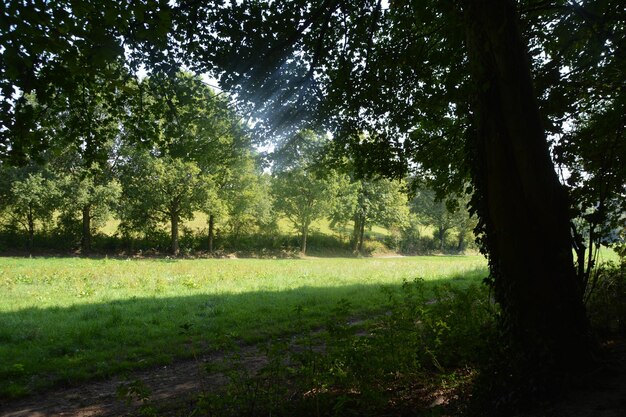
[(136, 391), (342, 371)]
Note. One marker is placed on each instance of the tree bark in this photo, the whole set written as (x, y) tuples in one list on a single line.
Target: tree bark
[(523, 207), (460, 247), (174, 231), (305, 234), (442, 237), (85, 243), (211, 232), (355, 231), (361, 232), (31, 229)]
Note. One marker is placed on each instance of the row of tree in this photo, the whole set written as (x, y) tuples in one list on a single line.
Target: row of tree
[(155, 151), (150, 192)]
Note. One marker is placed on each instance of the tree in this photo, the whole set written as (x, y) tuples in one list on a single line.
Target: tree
[(157, 190), (363, 68), (83, 128), (185, 119), (250, 201), (92, 198), (33, 198), (444, 215), (433, 212), (526, 227), (367, 202), (303, 197), (303, 187), (178, 116)]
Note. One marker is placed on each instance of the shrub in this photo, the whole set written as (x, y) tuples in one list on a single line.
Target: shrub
[(607, 301)]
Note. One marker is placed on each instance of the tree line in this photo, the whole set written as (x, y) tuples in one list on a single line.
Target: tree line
[(172, 148)]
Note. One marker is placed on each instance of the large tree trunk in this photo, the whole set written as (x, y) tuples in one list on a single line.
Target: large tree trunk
[(522, 205), (211, 232), (85, 243)]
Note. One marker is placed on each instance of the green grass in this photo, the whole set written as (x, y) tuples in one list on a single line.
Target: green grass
[(66, 320), (608, 255)]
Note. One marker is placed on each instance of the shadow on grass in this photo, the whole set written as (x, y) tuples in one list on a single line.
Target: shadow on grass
[(41, 348)]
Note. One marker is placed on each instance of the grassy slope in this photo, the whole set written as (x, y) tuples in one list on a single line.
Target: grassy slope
[(67, 320)]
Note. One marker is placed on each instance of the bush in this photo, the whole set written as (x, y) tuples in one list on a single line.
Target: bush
[(607, 300)]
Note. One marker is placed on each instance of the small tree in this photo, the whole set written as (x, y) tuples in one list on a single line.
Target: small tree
[(250, 203), (433, 212), (368, 202), (303, 188), (303, 197), (162, 190), (444, 214), (89, 200), (32, 199), (382, 202)]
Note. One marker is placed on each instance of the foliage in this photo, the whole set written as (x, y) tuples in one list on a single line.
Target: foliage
[(606, 303), (87, 196), (161, 190), (367, 202), (31, 200), (302, 197), (444, 215), (250, 203), (303, 190)]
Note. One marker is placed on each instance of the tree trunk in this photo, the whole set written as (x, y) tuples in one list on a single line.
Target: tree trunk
[(174, 235), (355, 231), (85, 243), (442, 237), (522, 205), (211, 232), (31, 229), (460, 247), (361, 232), (305, 234)]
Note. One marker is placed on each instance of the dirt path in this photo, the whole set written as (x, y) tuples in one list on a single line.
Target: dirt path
[(603, 396), (165, 383)]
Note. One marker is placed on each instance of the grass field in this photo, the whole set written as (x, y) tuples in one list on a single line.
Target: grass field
[(66, 320)]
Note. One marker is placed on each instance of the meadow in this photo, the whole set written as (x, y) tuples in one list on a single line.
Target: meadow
[(68, 320)]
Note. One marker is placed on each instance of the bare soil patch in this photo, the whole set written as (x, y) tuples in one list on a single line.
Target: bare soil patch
[(181, 379)]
